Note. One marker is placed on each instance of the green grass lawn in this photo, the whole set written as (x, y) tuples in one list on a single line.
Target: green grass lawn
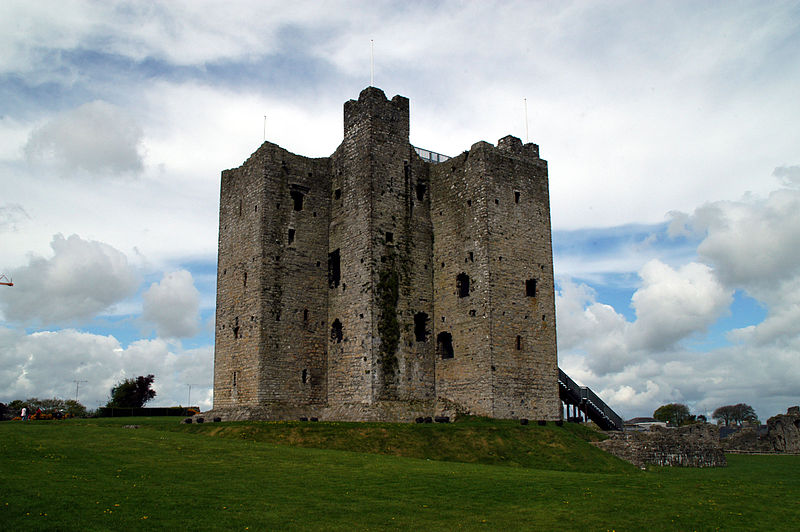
[(96, 475)]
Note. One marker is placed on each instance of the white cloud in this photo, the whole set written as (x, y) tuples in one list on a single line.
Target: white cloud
[(47, 364), (173, 305), (750, 245), (674, 304), (80, 280), (11, 215), (97, 137)]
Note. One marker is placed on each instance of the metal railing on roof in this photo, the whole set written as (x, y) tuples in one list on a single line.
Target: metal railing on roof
[(431, 156)]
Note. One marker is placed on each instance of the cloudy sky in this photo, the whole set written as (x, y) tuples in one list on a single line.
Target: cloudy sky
[(670, 129)]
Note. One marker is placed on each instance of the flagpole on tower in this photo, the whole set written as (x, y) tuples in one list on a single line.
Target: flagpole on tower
[(371, 63), (526, 119)]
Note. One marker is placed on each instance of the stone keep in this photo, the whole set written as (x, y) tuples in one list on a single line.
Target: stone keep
[(377, 285)]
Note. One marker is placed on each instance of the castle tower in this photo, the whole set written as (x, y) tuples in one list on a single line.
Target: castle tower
[(374, 284), (271, 323), (379, 249), (493, 282)]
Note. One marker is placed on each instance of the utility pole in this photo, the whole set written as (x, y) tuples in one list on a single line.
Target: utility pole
[(77, 387), (189, 401)]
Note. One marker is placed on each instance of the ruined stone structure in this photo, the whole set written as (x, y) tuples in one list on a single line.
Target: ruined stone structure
[(780, 435), (688, 446), (376, 285)]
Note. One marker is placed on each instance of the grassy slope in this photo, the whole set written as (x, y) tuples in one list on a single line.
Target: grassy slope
[(472, 441), (99, 476)]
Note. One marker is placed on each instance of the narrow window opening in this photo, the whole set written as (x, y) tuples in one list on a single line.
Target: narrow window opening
[(334, 271), (444, 345), (336, 331), (304, 376), (389, 237), (244, 279), (421, 326), (544, 317), (337, 194), (469, 203), (291, 235), (421, 191), (297, 199), (236, 332), (234, 379), (519, 343), (462, 284), (305, 315), (516, 196), (530, 288), (255, 208), (471, 257)]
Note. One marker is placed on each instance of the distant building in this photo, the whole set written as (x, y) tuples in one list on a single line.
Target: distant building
[(643, 423), (386, 282)]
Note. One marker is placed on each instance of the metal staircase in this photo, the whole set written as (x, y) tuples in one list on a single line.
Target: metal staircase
[(585, 400)]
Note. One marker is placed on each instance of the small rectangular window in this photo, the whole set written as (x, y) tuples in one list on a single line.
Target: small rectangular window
[(291, 235), (334, 271), (389, 237), (516, 196), (530, 288)]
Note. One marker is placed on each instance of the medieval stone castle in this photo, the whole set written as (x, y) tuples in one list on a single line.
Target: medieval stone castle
[(376, 284)]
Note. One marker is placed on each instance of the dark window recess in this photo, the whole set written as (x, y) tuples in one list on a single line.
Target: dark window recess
[(530, 288), (516, 196), (469, 203), (236, 332), (471, 257), (297, 199), (334, 271), (421, 326), (444, 344), (389, 237), (291, 235), (305, 376), (305, 314), (421, 191), (337, 194), (336, 331), (462, 284), (519, 343), (234, 378), (244, 279), (277, 315)]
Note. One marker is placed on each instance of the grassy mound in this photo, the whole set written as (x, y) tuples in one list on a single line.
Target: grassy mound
[(474, 440), (96, 475)]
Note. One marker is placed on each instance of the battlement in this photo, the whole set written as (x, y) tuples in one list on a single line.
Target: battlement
[(381, 284), (373, 108)]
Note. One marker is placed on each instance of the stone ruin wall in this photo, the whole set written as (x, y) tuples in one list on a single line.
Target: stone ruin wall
[(296, 338), (782, 436), (688, 446)]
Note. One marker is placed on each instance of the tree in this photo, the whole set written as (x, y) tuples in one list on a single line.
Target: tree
[(674, 413), (736, 414), (132, 393)]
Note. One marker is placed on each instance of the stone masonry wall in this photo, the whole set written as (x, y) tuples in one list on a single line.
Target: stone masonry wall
[(688, 446), (375, 285)]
